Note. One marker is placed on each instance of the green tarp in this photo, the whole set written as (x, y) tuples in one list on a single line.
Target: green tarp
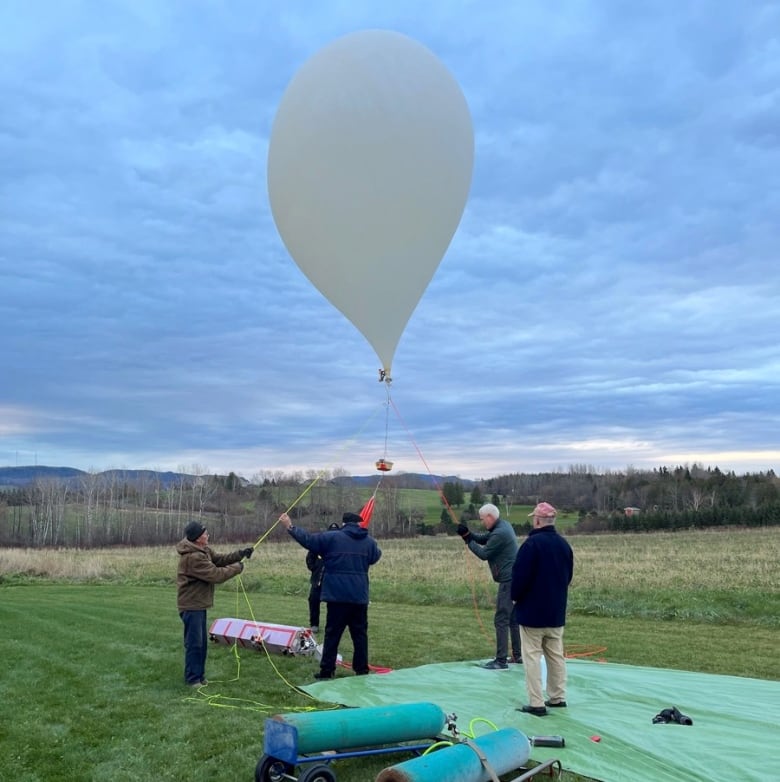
[(735, 732)]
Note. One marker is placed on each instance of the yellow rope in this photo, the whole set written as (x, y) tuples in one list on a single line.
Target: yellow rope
[(437, 745), (227, 702), (471, 734)]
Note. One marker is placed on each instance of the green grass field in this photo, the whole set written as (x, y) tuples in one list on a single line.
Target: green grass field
[(91, 641)]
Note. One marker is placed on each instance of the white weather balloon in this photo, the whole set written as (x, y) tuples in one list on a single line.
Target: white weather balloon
[(369, 167)]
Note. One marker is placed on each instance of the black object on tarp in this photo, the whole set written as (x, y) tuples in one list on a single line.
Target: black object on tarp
[(547, 741), (672, 715)]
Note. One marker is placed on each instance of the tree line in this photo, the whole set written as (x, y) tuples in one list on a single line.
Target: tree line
[(678, 489), (105, 509)]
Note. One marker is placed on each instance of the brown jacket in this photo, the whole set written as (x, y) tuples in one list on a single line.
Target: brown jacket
[(199, 569)]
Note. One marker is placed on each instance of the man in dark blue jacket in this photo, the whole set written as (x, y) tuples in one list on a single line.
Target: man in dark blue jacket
[(348, 553), (540, 585)]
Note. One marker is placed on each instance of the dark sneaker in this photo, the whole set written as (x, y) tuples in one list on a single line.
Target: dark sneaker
[(516, 659), (495, 665), (537, 711), (556, 704), (204, 681), (323, 675)]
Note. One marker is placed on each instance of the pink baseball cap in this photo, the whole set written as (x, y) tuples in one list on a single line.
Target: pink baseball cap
[(544, 509)]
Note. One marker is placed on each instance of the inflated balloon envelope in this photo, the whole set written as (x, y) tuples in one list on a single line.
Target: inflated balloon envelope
[(369, 168)]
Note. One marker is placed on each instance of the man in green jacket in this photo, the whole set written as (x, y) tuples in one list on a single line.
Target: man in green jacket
[(499, 547), (200, 568)]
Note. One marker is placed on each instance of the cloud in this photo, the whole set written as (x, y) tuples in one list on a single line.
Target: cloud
[(609, 297)]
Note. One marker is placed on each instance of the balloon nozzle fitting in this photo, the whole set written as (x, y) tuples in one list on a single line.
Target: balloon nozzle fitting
[(384, 376)]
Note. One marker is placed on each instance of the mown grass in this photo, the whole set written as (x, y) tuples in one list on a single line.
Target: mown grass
[(92, 677), (91, 641)]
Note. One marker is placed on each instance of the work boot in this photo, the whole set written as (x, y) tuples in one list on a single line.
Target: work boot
[(496, 665), (537, 711)]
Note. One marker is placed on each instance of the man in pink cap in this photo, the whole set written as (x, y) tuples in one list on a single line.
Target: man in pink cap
[(540, 585)]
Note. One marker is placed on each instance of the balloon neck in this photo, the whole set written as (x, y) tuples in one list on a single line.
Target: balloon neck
[(384, 376)]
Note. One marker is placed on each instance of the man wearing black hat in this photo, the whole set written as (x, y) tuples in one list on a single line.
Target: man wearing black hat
[(348, 553), (200, 568)]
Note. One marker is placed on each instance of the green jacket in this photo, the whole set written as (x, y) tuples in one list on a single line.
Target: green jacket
[(199, 570), (499, 547)]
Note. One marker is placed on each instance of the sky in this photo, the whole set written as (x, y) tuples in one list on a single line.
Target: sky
[(609, 298)]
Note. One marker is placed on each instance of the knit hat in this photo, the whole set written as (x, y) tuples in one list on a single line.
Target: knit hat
[(194, 530), (351, 518), (545, 510)]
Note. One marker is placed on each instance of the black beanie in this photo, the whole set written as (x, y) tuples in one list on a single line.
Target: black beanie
[(351, 518), (194, 530)]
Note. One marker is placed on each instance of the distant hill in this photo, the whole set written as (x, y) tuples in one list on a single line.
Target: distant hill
[(22, 476), (19, 477)]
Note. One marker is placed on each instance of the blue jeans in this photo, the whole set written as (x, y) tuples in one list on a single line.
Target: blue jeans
[(195, 645)]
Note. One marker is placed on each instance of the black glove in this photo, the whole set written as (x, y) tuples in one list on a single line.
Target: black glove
[(464, 532), (246, 552)]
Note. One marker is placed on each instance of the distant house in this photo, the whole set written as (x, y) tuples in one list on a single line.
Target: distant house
[(631, 511)]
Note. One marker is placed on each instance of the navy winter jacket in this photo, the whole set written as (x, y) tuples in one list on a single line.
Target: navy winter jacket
[(541, 577), (348, 553)]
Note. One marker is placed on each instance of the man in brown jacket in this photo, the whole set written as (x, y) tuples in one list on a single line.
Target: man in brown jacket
[(200, 568)]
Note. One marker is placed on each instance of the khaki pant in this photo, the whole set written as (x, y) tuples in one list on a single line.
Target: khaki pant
[(548, 641)]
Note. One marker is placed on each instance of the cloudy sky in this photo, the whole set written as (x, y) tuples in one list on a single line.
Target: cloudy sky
[(610, 297)]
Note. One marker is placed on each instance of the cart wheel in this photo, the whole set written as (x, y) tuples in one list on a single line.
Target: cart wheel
[(317, 774), (270, 769)]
